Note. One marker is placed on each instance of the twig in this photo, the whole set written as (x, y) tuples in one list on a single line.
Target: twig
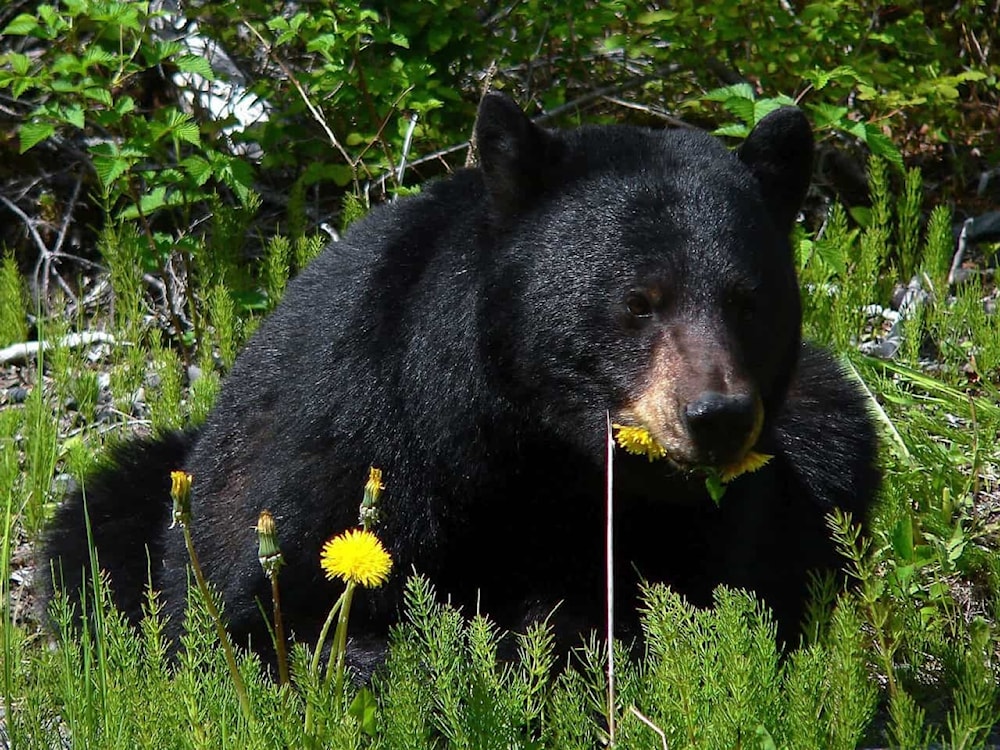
[(471, 154), (29, 349), (603, 91), (956, 261), (406, 147), (67, 216), (610, 576), (653, 111), (317, 116), (43, 249), (663, 736)]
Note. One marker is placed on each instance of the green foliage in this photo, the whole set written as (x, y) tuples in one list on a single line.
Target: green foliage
[(939, 249), (40, 453), (908, 236), (277, 260), (306, 249), (741, 101), (222, 314), (13, 303), (165, 399)]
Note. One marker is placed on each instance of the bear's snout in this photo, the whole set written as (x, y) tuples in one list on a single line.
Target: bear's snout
[(723, 427)]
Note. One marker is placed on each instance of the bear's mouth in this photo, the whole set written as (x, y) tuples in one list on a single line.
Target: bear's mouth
[(638, 441), (683, 452)]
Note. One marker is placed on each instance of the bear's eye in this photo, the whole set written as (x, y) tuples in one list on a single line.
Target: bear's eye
[(638, 304)]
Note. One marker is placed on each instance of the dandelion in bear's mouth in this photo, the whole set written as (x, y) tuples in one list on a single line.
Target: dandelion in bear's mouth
[(356, 556), (639, 442), (751, 462)]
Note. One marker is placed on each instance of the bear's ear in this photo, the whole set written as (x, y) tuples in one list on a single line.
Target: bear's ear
[(512, 151), (779, 152)]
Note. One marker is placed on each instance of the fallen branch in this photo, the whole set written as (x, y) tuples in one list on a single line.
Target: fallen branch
[(30, 349)]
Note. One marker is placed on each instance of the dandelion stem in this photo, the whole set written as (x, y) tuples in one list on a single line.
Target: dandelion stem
[(326, 629), (227, 648), (609, 573), (340, 640), (279, 633), (314, 666)]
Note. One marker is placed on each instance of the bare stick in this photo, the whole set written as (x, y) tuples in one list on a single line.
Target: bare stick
[(956, 261), (28, 349), (67, 216), (406, 148), (663, 737), (610, 578), (611, 90), (43, 249), (317, 116)]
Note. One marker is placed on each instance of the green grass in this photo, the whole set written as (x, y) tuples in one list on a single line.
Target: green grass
[(908, 659)]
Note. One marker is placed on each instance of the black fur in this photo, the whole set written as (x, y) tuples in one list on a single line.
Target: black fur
[(470, 341)]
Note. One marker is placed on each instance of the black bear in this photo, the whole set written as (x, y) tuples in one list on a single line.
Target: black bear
[(471, 342)]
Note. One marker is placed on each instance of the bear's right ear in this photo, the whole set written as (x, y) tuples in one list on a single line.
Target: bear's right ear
[(779, 152), (512, 151)]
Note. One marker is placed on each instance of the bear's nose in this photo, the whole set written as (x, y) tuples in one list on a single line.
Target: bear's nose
[(721, 426)]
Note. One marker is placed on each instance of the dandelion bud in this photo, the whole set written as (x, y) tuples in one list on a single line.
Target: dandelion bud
[(180, 491), (268, 551)]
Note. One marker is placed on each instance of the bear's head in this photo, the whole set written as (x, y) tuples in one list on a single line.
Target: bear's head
[(647, 274)]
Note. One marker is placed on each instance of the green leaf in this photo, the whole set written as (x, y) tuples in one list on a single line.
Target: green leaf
[(73, 115), (235, 173), (716, 489), (828, 114), (820, 78), (862, 215), (656, 16), (765, 739), (834, 254), (32, 133), (109, 163), (125, 105), (21, 64), (742, 108), (99, 94), (339, 174), (199, 169), (197, 65), (438, 35), (110, 169), (763, 107), (736, 130), (188, 132), (22, 25), (881, 145), (902, 539), (737, 91), (151, 201), (363, 709)]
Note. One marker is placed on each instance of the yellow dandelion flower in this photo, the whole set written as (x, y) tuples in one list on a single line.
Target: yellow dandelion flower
[(639, 442), (356, 556), (752, 461)]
